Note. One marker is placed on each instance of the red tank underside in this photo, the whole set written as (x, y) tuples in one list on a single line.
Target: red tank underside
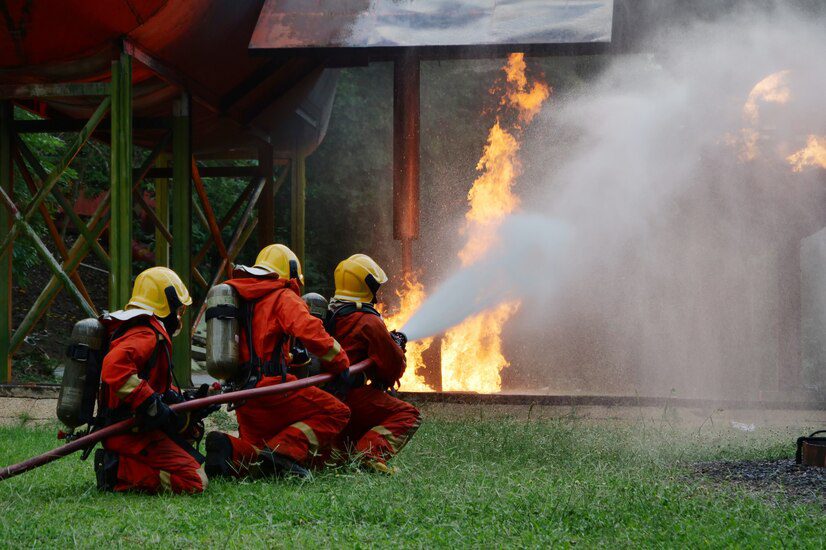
[(202, 44)]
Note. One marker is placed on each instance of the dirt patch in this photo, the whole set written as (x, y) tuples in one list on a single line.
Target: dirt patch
[(798, 482)]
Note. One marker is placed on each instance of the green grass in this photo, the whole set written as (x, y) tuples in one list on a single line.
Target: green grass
[(474, 482)]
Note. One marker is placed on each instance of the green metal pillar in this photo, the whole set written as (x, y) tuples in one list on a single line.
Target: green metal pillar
[(120, 234), (298, 198), (162, 210), (6, 180), (182, 230), (266, 203)]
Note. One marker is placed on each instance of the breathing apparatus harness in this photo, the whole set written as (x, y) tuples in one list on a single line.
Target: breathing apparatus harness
[(171, 396), (343, 309), (252, 371)]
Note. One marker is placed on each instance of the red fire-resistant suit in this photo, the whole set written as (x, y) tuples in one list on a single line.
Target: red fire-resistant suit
[(148, 461), (380, 424), (298, 424)]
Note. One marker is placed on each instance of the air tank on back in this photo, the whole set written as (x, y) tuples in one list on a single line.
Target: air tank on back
[(222, 332), (81, 374)]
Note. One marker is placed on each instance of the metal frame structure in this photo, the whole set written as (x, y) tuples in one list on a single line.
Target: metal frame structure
[(170, 166)]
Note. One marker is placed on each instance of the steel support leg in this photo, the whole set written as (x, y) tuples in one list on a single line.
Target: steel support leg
[(266, 204), (182, 230), (6, 181), (120, 233), (162, 209), (298, 198), (406, 154)]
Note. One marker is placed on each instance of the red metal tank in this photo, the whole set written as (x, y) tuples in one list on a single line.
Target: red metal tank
[(199, 45)]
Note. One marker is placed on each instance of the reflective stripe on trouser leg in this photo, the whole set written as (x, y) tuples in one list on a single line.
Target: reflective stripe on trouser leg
[(310, 435), (166, 480), (387, 435), (402, 439)]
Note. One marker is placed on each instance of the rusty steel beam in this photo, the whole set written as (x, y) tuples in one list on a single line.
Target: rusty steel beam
[(50, 225), (54, 176), (45, 255), (233, 210), (406, 156), (67, 207), (199, 93), (79, 250), (234, 246), (214, 230)]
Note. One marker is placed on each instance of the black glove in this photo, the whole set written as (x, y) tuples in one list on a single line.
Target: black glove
[(341, 384), (199, 414), (172, 397), (154, 414), (400, 338), (300, 355)]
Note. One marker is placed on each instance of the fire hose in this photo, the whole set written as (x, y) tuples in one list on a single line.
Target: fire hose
[(95, 437)]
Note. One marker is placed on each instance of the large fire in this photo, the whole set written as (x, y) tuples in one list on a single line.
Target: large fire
[(814, 154), (411, 296), (772, 89), (471, 353), (775, 88)]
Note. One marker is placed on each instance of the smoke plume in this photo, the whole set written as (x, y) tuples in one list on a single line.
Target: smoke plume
[(658, 248)]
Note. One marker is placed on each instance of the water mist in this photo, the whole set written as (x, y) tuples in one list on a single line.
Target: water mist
[(653, 253)]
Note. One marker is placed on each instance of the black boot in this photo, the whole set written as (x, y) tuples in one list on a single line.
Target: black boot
[(106, 469), (218, 455), (281, 466)]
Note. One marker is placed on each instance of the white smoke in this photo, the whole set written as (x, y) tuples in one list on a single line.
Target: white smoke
[(500, 276), (646, 226)]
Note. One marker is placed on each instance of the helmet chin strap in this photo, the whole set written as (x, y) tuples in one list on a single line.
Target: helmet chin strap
[(373, 285), (171, 322)]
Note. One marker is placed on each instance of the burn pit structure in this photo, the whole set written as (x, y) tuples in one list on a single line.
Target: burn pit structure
[(205, 79)]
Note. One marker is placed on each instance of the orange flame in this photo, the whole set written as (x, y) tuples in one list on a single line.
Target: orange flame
[(526, 99), (411, 296), (472, 356), (814, 154), (772, 89), (471, 353)]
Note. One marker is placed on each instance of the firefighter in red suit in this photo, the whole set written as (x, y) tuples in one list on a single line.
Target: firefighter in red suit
[(280, 434), (380, 424), (137, 380)]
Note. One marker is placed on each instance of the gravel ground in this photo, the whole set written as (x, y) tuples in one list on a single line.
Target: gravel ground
[(800, 483)]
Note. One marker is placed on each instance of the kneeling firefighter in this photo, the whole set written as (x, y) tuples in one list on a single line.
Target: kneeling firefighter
[(280, 434), (137, 378), (380, 424)]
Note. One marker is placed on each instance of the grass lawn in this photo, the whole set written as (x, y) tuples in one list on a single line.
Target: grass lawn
[(473, 482)]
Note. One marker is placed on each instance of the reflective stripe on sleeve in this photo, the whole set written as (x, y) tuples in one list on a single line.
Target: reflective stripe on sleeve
[(129, 386), (332, 352)]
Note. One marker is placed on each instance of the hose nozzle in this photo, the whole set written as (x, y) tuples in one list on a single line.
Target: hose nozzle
[(400, 338)]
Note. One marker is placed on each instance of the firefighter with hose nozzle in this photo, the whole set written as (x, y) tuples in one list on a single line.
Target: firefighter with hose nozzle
[(137, 379), (281, 434), (380, 424)]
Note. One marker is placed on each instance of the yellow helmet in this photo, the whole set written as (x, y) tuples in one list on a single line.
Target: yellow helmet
[(159, 290), (277, 258), (358, 278)]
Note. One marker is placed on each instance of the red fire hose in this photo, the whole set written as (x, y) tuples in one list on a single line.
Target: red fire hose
[(120, 427)]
